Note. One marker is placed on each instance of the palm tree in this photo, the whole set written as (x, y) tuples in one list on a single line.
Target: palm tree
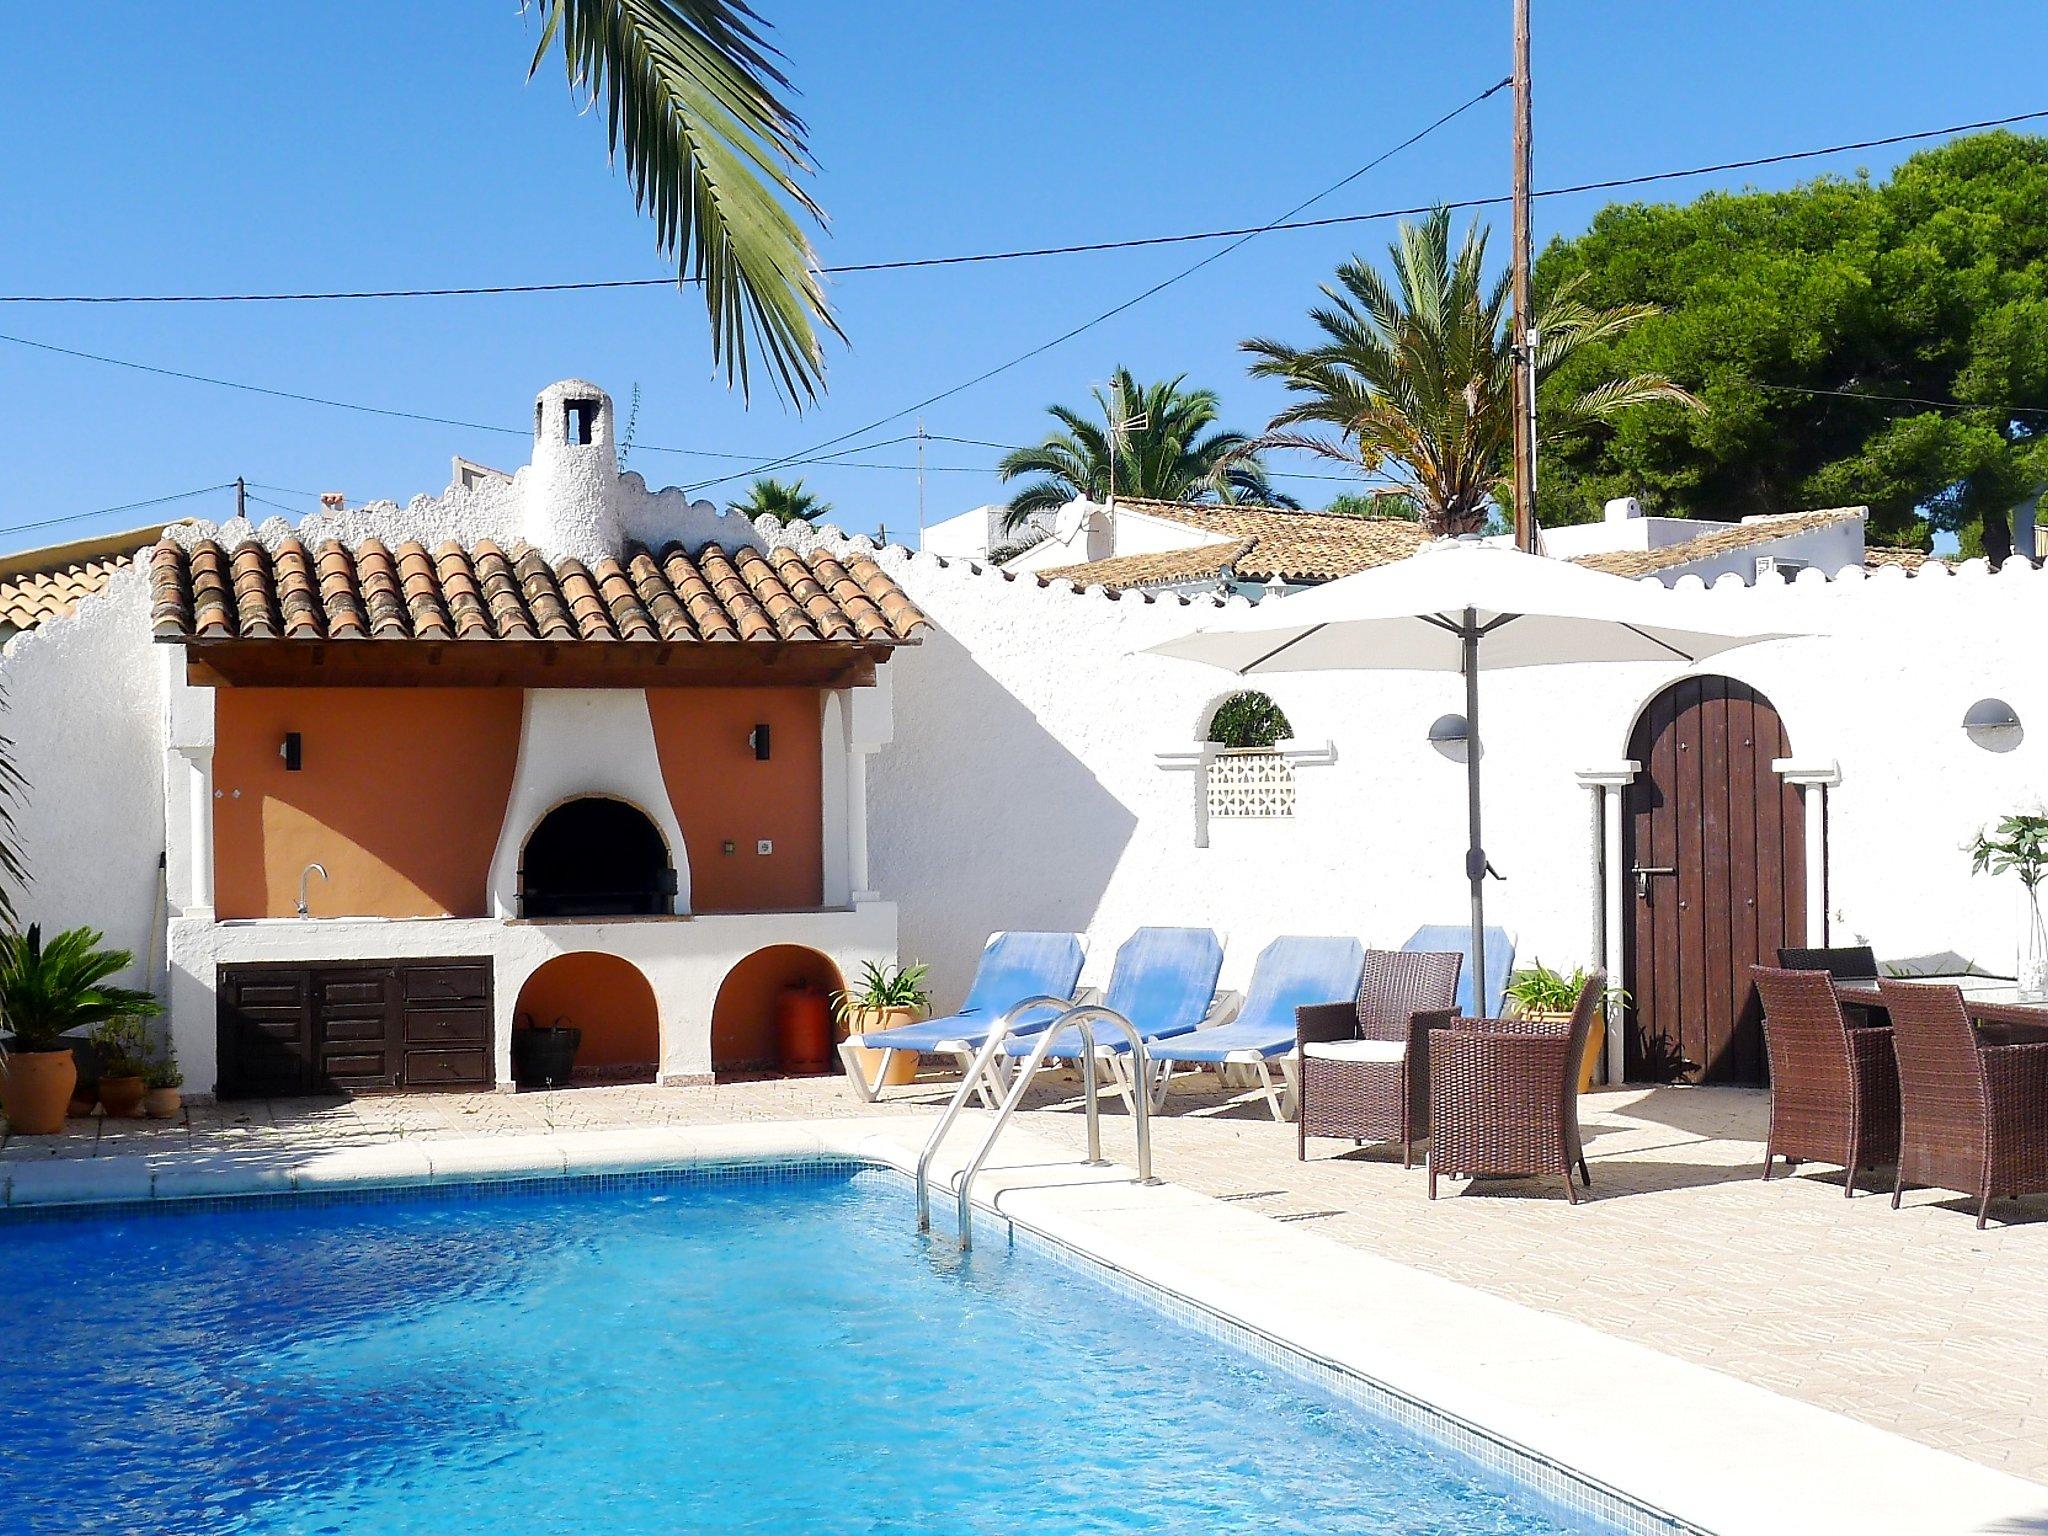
[(1175, 453), (692, 99), (1415, 377), (786, 502)]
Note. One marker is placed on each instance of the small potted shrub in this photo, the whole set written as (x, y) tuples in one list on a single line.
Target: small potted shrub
[(47, 991), (886, 997), (162, 1081), (1542, 993), (124, 1066)]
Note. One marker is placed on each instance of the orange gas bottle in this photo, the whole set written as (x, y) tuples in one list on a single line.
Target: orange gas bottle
[(803, 1031)]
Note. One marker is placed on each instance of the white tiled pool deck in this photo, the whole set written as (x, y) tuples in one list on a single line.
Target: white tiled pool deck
[(1910, 1322)]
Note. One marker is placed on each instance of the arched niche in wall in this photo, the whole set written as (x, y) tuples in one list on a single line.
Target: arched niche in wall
[(743, 1035), (610, 1001), (596, 856)]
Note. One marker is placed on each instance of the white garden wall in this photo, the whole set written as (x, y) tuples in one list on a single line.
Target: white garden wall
[(84, 714), (1023, 788)]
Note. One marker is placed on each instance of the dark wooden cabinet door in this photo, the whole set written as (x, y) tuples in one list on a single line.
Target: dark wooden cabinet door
[(265, 1033), (1715, 879), (361, 1027)]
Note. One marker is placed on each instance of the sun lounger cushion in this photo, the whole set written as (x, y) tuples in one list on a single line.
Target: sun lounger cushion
[(1292, 972), (1013, 966), (1456, 938), (1163, 981)]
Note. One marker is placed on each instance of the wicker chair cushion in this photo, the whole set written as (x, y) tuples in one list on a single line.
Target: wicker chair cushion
[(1355, 1050)]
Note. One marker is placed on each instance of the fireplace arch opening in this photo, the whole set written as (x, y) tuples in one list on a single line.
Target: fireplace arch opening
[(596, 857)]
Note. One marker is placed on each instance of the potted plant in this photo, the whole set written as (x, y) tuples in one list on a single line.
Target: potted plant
[(162, 1080), (886, 997), (2020, 847), (124, 1064), (544, 1055), (1538, 992), (46, 991)]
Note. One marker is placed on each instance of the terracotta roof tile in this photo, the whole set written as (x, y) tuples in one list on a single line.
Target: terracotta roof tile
[(1725, 538), (1258, 543), (1878, 556), (483, 592), (38, 585)]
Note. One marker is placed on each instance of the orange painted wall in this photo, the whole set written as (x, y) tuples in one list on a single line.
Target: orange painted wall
[(722, 794), (743, 1034), (605, 997), (401, 797)]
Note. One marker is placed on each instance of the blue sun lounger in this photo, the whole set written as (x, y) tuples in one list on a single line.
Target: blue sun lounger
[(1164, 982), (1291, 972), (1013, 967), (1448, 938)]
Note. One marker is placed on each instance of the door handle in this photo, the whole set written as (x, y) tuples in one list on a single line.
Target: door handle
[(1642, 875)]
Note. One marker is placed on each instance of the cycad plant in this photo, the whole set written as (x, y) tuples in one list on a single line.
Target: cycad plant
[(692, 96), (47, 990), (1414, 376), (1174, 451)]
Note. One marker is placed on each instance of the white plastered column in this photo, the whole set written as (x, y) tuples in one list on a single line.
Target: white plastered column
[(1815, 777), (870, 715), (188, 789), (1610, 890)]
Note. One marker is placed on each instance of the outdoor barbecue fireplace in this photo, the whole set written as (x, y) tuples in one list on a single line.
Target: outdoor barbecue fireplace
[(596, 857)]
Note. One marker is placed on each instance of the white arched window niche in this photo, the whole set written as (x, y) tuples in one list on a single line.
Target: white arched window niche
[(1244, 762)]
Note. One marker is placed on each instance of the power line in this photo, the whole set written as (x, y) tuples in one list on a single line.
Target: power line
[(1158, 287), (1031, 253), (126, 506), (1884, 399)]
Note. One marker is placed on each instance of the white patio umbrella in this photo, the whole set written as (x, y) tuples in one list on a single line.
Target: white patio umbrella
[(1457, 606)]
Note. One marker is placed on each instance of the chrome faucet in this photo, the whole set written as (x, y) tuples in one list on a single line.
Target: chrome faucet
[(302, 884)]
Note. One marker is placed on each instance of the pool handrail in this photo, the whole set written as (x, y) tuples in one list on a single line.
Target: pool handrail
[(983, 1062), (1082, 1018)]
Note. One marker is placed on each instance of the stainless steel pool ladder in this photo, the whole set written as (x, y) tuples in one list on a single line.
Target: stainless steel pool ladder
[(1083, 1018)]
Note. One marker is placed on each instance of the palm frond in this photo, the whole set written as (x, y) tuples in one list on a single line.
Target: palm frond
[(693, 103)]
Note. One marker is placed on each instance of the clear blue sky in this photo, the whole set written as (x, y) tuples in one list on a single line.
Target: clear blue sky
[(384, 143)]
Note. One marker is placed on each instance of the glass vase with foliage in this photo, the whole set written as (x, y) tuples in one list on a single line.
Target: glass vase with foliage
[(2019, 846), (49, 990)]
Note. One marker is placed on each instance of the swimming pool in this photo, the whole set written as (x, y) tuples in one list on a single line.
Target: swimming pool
[(680, 1353)]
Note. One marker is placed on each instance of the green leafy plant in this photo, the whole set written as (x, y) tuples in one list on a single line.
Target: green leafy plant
[(123, 1045), (163, 1071), (47, 990), (882, 987), (1248, 720), (1539, 989), (2019, 848), (786, 501)]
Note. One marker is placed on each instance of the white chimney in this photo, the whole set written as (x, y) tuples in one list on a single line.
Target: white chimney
[(571, 501), (1623, 508)]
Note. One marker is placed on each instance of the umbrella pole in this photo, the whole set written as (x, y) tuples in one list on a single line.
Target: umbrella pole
[(1475, 854)]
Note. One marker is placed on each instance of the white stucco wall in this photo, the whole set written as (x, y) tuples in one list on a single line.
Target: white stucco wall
[(84, 716), (1022, 788)]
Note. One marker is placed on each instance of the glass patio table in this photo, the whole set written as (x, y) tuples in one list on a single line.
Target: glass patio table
[(1992, 1002)]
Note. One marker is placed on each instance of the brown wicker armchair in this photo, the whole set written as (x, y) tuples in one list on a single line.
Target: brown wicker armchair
[(1974, 1113), (1361, 1068), (1834, 1090), (1504, 1095)]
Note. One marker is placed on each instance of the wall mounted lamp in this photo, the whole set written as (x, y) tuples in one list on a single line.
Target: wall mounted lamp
[(1451, 736), (757, 738), (292, 750), (1993, 725)]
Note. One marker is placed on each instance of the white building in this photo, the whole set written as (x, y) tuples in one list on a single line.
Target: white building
[(984, 749)]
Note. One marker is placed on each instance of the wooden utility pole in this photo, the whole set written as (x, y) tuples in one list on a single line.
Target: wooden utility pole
[(1524, 337), (241, 497)]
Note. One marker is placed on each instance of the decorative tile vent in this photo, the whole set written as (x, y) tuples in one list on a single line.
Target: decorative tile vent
[(1251, 782)]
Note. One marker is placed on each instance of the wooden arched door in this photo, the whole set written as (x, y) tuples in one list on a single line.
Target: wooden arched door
[(1715, 864)]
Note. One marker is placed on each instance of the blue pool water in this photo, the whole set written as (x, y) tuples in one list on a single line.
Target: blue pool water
[(681, 1357)]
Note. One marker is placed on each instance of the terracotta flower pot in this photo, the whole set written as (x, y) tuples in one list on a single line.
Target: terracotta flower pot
[(35, 1090), (162, 1103), (121, 1097), (903, 1064)]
